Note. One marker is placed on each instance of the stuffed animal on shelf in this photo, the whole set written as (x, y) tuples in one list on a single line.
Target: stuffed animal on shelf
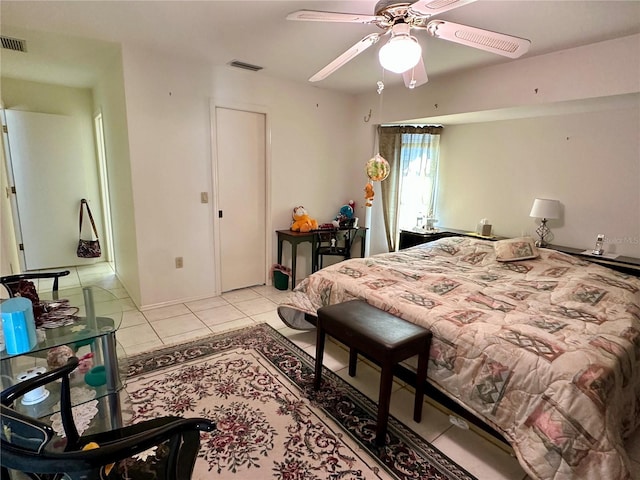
[(302, 222), (344, 215), (368, 194)]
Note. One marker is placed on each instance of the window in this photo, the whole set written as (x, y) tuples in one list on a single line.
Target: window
[(418, 181), (409, 192)]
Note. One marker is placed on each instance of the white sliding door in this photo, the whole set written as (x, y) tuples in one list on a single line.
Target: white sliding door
[(241, 196)]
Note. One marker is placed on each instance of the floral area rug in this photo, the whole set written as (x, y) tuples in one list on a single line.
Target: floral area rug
[(258, 387)]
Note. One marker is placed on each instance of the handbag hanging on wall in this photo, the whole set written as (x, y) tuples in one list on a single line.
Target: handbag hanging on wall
[(88, 248)]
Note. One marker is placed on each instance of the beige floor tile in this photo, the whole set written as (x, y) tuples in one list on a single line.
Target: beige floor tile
[(433, 423), (130, 336), (165, 312), (478, 456), (187, 336), (236, 296), (232, 325), (301, 338), (168, 327), (206, 304), (272, 293), (335, 357), (96, 268), (134, 317), (367, 380), (127, 304), (69, 281), (120, 293), (143, 347), (255, 306), (270, 318), (218, 315), (108, 282)]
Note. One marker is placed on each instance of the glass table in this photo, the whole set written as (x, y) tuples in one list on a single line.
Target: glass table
[(94, 328)]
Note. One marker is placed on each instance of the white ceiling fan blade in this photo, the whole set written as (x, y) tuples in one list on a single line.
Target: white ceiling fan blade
[(318, 16), (436, 7), (415, 76), (358, 48), (507, 45)]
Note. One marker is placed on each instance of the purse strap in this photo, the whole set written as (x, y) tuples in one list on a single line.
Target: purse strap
[(83, 204)]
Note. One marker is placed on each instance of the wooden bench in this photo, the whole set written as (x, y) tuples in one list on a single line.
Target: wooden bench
[(381, 337)]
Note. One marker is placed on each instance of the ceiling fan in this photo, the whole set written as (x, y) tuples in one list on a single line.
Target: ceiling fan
[(402, 52)]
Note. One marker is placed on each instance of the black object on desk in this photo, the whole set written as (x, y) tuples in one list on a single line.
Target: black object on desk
[(294, 238)]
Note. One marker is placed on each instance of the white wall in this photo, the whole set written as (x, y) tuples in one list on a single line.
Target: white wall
[(108, 97), (167, 107), (602, 79), (590, 162)]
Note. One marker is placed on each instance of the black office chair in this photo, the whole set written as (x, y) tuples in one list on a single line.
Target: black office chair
[(336, 242), (30, 446), (13, 285)]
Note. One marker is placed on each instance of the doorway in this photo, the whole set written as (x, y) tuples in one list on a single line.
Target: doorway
[(104, 188), (240, 172)]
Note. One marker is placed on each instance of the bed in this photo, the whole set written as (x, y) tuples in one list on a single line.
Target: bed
[(546, 350)]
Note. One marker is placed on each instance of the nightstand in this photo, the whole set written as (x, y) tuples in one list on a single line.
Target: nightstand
[(410, 238), (621, 263)]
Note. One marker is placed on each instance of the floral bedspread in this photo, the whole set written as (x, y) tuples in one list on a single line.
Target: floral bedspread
[(547, 351)]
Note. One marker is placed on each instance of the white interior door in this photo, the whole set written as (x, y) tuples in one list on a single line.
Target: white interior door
[(46, 161), (241, 187)]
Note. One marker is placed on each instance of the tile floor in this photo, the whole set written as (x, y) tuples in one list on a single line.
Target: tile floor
[(141, 331)]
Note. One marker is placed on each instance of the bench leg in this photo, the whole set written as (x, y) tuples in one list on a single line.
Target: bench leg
[(421, 377), (319, 354), (384, 399), (353, 361)]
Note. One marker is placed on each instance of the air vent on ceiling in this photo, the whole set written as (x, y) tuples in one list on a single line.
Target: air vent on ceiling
[(13, 44), (246, 66)]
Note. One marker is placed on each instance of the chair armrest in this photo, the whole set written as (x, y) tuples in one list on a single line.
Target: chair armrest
[(8, 395), (111, 451)]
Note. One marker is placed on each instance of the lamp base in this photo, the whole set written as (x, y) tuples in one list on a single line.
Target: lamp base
[(543, 232)]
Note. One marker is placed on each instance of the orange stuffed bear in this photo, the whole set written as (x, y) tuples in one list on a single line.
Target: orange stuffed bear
[(368, 194), (302, 222)]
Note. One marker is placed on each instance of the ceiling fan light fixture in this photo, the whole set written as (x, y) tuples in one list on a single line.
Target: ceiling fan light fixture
[(402, 52)]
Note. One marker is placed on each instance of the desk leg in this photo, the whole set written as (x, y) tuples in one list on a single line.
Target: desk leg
[(113, 378), (294, 257), (314, 254), (279, 251)]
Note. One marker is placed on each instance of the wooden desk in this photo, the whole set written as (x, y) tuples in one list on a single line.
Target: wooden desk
[(294, 238)]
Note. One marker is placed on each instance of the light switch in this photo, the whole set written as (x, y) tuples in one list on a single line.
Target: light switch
[(204, 197)]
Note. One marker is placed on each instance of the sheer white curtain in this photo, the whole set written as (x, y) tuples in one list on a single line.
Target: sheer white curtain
[(410, 190)]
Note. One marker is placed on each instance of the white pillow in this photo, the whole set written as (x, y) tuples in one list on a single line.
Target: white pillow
[(514, 249)]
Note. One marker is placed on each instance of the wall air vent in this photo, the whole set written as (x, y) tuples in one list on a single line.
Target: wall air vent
[(245, 66), (14, 44)]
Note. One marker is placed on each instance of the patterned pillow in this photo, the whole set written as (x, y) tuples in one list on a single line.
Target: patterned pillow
[(514, 249)]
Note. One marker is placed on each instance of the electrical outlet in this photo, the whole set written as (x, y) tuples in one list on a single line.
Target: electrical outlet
[(179, 262)]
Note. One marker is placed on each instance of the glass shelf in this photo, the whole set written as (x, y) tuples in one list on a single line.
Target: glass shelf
[(99, 317)]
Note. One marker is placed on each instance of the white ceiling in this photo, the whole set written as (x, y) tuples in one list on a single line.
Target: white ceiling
[(68, 40)]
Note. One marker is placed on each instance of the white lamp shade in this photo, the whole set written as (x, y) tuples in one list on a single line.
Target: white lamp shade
[(545, 208), (400, 53)]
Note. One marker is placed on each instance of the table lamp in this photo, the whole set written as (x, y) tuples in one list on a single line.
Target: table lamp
[(544, 209)]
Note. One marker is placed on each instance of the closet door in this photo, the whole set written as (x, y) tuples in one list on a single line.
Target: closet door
[(241, 188), (49, 177)]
